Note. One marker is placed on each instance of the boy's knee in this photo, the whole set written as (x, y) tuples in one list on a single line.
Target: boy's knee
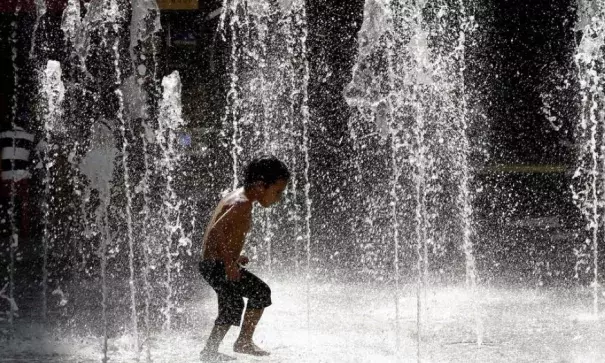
[(261, 299), (264, 291)]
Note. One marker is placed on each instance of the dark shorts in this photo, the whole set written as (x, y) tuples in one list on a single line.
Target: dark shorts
[(231, 294)]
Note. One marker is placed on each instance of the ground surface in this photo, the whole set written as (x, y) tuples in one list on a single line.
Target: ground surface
[(355, 323)]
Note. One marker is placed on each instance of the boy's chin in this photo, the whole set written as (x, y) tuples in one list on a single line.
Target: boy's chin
[(265, 204)]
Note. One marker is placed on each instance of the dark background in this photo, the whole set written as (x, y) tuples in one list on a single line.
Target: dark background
[(523, 49)]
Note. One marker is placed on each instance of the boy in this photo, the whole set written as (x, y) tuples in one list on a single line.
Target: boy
[(265, 179)]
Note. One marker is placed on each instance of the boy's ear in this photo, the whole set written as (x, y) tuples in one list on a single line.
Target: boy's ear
[(260, 183)]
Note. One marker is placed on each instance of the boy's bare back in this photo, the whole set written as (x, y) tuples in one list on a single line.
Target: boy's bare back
[(226, 232)]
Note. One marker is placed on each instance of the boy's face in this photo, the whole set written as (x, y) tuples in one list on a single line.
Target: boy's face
[(272, 193)]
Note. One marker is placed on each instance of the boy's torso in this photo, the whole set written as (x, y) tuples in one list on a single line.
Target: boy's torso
[(239, 227)]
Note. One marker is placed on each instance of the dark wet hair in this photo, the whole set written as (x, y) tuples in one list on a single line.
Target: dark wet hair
[(267, 169)]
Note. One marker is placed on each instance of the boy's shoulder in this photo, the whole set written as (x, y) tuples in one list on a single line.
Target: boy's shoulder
[(235, 210), (236, 201)]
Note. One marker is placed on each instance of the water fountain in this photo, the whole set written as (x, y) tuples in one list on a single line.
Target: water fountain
[(53, 91), (104, 154), (111, 121), (110, 136), (267, 109), (263, 114), (14, 234), (588, 177), (267, 113), (409, 82)]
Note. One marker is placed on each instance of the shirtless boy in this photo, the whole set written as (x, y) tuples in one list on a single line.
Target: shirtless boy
[(265, 179)]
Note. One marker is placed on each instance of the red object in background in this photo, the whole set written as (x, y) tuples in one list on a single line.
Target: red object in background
[(21, 202), (27, 6)]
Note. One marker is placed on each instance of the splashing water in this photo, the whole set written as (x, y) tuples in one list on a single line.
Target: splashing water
[(105, 180), (40, 12), (169, 122), (409, 89), (144, 25), (98, 167), (588, 178), (53, 94), (410, 137), (267, 108), (71, 20), (14, 232), (267, 113)]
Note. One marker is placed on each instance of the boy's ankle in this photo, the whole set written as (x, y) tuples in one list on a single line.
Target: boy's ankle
[(243, 341), (212, 348)]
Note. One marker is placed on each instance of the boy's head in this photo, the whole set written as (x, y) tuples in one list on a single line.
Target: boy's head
[(269, 176)]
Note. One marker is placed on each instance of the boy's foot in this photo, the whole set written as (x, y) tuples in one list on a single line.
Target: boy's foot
[(249, 348), (211, 357)]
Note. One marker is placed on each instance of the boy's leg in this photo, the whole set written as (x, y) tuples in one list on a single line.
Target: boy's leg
[(216, 337), (244, 343), (259, 296), (251, 318), (230, 310), (230, 307), (210, 352)]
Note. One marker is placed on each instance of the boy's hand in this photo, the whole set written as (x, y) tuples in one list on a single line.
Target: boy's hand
[(233, 273), (243, 260)]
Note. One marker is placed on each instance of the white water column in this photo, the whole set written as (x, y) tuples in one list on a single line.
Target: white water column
[(589, 179), (267, 112), (144, 28), (170, 121), (53, 95), (410, 90)]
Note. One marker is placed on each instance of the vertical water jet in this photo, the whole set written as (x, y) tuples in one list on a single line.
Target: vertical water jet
[(589, 177)]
